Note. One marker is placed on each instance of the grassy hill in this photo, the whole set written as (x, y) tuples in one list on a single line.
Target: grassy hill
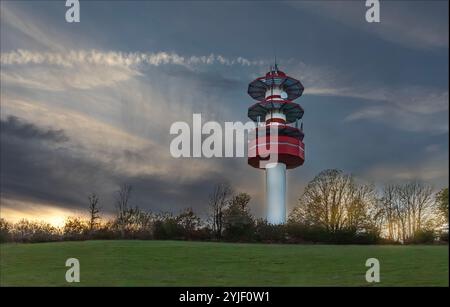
[(178, 263)]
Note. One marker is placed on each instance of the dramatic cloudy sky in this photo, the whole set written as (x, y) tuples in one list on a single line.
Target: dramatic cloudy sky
[(86, 107)]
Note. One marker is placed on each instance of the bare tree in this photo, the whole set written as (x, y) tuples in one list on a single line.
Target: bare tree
[(189, 222), (442, 204), (418, 206), (407, 209), (122, 207), (387, 211), (218, 200), (143, 220), (360, 206), (94, 211), (334, 201)]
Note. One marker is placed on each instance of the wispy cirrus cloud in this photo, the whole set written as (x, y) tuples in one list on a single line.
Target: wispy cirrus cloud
[(31, 32), (60, 78), (405, 107), (409, 108), (414, 99), (416, 27), (389, 115), (433, 169)]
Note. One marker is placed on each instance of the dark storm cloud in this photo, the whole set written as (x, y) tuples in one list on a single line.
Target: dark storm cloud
[(36, 167), (13, 126)]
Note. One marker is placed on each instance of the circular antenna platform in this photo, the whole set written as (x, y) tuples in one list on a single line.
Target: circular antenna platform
[(259, 110), (283, 130), (293, 87)]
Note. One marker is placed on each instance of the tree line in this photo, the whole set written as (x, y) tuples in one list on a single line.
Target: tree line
[(334, 208)]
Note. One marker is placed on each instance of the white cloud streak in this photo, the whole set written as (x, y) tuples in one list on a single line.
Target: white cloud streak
[(111, 58)]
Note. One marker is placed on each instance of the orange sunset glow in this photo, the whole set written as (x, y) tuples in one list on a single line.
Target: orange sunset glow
[(14, 211)]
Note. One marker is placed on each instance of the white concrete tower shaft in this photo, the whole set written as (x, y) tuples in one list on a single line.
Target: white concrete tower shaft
[(276, 172), (276, 193)]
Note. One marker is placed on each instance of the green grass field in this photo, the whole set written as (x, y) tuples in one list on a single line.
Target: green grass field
[(173, 263)]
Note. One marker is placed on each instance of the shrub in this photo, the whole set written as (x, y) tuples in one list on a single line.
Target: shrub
[(202, 234), (105, 232), (75, 229), (167, 229), (300, 233), (34, 232), (237, 220), (367, 237), (265, 232), (5, 231), (443, 236), (189, 223), (422, 237)]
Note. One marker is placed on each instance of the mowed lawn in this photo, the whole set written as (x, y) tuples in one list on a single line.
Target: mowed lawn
[(179, 263)]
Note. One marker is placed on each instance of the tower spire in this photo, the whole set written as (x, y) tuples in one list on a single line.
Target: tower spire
[(276, 65)]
